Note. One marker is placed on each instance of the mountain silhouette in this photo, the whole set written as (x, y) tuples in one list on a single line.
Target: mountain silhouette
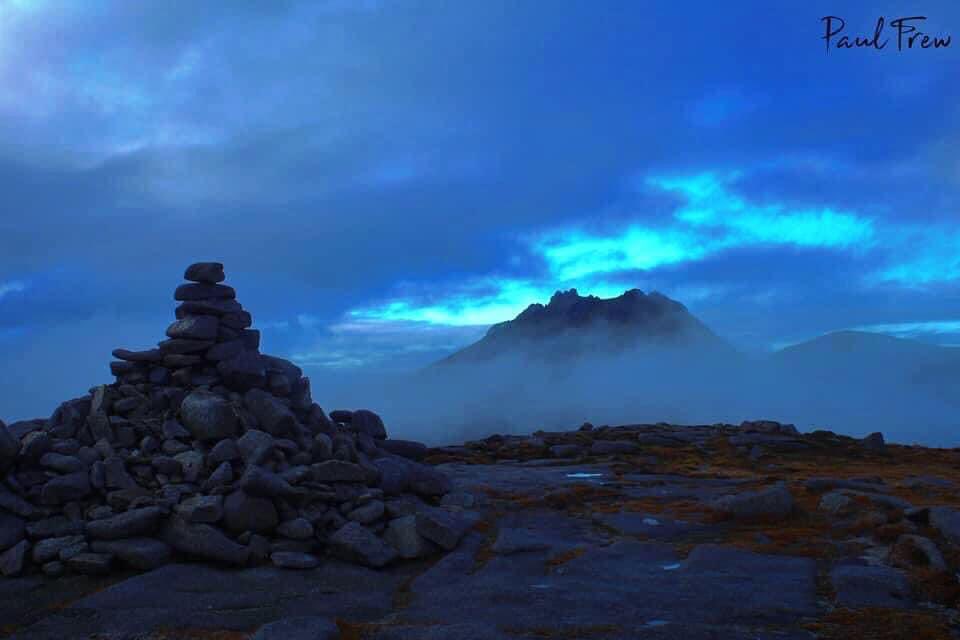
[(571, 325)]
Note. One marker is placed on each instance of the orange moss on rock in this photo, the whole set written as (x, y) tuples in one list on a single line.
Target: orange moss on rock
[(565, 557)]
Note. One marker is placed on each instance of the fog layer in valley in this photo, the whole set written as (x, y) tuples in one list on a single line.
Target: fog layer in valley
[(851, 383)]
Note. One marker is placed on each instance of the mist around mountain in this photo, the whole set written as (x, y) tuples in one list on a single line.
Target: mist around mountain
[(644, 358), (571, 326)]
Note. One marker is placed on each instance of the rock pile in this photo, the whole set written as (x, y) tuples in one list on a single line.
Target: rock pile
[(206, 448)]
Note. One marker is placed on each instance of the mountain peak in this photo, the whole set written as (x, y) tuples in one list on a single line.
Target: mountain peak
[(570, 324)]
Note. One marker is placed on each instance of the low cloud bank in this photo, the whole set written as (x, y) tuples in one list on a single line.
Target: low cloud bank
[(515, 394)]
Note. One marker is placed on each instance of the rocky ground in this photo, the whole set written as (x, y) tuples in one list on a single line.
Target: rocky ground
[(650, 531)]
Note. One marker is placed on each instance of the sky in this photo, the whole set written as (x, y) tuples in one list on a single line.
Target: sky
[(384, 179)]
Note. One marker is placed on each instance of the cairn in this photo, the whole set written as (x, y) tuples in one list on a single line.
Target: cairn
[(206, 449)]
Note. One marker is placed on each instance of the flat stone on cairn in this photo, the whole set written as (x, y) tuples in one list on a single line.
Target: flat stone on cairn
[(209, 272), (205, 449)]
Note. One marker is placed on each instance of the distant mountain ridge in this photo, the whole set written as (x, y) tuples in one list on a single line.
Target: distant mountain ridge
[(570, 325)]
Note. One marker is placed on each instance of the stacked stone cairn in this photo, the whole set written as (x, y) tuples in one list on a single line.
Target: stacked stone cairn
[(206, 449)]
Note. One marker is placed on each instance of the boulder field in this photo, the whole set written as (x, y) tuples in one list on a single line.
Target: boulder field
[(206, 449)]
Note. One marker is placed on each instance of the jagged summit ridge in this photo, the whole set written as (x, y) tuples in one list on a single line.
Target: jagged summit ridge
[(568, 309), (570, 324)]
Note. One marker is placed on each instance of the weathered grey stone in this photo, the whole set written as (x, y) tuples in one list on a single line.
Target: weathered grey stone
[(34, 445), (221, 476), (130, 524), (55, 527), (9, 447), (49, 549), (243, 512), (368, 422), (294, 560), (100, 427), (150, 355), (251, 339), (207, 272), (322, 447), (61, 463), (66, 488), (834, 502), (223, 451), (368, 513), (202, 291), (300, 396), (116, 475), (204, 541), (179, 346), (124, 406), (166, 465), (253, 443), (91, 563), (15, 504), (237, 320), (870, 586), (159, 376), (337, 471), (174, 447), (260, 482), (355, 542), (441, 526), (13, 559), (317, 420), (120, 368), (211, 306), (273, 416), (12, 530), (402, 535), (395, 474), (75, 549), (192, 464), (225, 350), (143, 554), (208, 417), (428, 481), (173, 430), (204, 509), (772, 502), (278, 384), (342, 415), (296, 529), (874, 442), (69, 417), (194, 328), (244, 371), (946, 520), (180, 360)]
